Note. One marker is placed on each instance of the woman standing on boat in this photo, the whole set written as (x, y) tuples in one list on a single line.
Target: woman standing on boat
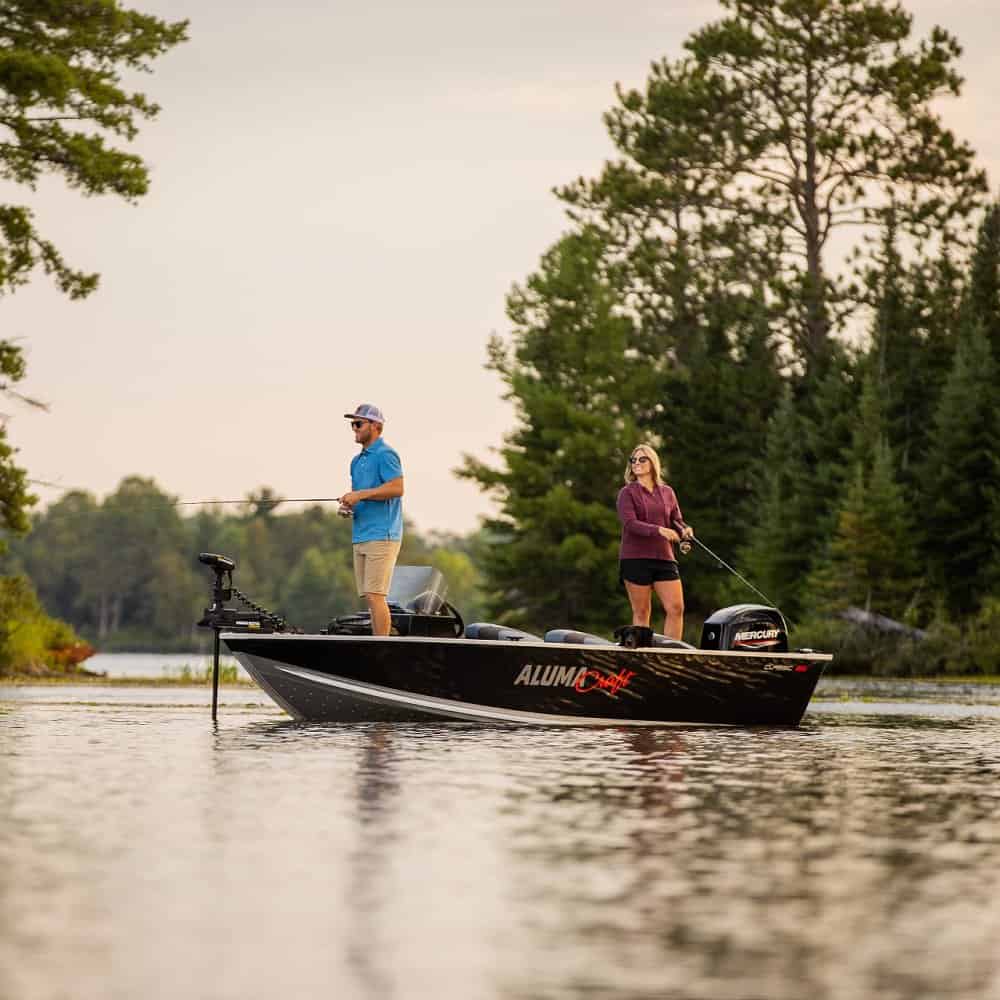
[(651, 523)]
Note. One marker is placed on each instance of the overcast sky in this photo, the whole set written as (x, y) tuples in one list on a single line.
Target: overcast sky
[(342, 196)]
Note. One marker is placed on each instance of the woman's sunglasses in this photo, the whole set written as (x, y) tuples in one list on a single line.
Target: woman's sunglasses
[(638, 459)]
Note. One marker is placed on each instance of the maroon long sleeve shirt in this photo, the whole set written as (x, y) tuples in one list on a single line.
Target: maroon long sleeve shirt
[(642, 515)]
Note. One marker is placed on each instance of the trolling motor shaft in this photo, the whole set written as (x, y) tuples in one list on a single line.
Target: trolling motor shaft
[(220, 617)]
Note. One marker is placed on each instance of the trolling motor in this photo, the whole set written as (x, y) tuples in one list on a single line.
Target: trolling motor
[(220, 618)]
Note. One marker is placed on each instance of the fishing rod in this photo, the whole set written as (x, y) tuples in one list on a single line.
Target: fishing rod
[(263, 503), (742, 579)]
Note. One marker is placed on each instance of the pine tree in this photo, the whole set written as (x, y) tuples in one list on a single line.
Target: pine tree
[(62, 104), (66, 63), (912, 346), (781, 541), (576, 382), (781, 124), (961, 478), (714, 431), (982, 299), (871, 560)]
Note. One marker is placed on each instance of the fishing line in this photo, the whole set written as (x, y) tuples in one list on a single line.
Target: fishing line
[(129, 508), (742, 579)]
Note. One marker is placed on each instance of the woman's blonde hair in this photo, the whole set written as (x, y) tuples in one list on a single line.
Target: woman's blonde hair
[(654, 460)]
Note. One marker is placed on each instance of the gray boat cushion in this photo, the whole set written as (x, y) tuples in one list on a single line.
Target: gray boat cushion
[(574, 638), (662, 642), (497, 633)]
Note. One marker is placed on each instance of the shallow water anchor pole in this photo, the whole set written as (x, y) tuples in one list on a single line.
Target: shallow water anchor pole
[(215, 677)]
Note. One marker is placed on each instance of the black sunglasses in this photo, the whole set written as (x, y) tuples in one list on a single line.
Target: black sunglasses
[(638, 459), (359, 423)]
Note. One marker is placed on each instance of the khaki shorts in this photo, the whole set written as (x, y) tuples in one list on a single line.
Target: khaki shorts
[(373, 566)]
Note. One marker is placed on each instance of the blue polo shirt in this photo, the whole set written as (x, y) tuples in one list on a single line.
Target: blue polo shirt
[(376, 520)]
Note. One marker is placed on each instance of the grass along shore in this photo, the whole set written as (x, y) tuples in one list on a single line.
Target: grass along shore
[(229, 676)]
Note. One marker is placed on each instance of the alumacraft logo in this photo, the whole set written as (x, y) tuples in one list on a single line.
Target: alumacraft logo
[(582, 679)]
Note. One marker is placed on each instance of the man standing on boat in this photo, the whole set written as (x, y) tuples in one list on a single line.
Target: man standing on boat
[(375, 502)]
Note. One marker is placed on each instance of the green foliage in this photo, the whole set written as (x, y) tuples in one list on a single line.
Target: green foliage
[(695, 283), (913, 344), (870, 561), (961, 477), (31, 641), (15, 499), (829, 124), (797, 483), (229, 673), (781, 124), (319, 581), (779, 547), (859, 650), (692, 304), (967, 649), (125, 571), (571, 375), (14, 496), (62, 98), (982, 300), (713, 425), (464, 579)]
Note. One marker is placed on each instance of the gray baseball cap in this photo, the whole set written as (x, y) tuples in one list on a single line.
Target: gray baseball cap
[(366, 411)]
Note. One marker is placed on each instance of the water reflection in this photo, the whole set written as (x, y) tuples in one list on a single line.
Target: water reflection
[(377, 789), (145, 853)]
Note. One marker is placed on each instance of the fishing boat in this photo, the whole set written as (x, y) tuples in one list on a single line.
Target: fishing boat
[(436, 667)]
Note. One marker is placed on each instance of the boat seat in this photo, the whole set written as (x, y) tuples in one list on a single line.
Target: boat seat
[(497, 633), (575, 638), (662, 642)]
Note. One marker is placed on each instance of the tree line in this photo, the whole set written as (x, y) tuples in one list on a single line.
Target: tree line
[(788, 281), (124, 571), (67, 110)]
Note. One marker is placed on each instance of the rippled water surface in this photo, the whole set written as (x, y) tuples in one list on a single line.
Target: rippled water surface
[(145, 853)]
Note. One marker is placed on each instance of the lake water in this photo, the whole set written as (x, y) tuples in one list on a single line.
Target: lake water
[(145, 853), (155, 664)]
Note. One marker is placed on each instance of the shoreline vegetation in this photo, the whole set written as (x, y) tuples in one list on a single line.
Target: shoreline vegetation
[(829, 420), (100, 680), (185, 676)]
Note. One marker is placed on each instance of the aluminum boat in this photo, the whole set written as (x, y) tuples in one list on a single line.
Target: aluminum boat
[(436, 667)]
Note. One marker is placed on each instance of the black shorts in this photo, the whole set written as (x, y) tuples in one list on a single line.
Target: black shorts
[(646, 572)]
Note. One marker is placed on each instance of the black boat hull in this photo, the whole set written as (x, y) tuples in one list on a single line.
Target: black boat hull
[(332, 678)]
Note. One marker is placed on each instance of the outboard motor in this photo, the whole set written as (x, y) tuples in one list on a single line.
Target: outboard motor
[(746, 627)]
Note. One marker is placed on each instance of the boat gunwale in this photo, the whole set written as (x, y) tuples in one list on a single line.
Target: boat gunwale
[(522, 644)]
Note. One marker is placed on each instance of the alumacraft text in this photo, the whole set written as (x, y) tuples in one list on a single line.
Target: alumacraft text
[(581, 679)]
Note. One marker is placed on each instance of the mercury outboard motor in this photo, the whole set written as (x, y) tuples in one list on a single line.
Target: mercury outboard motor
[(746, 627)]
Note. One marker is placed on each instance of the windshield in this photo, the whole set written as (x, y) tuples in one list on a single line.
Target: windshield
[(417, 588)]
